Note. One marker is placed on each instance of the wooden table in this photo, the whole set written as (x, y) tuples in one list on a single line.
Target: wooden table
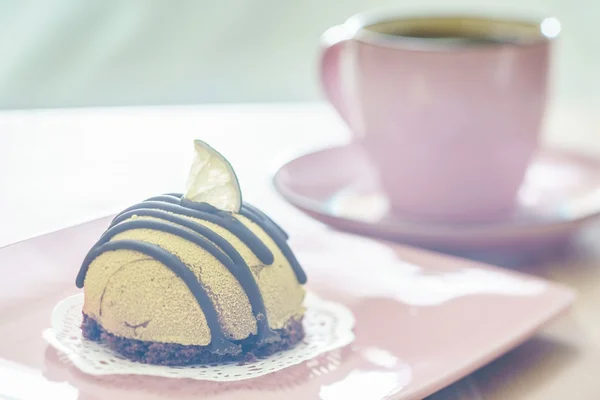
[(59, 168)]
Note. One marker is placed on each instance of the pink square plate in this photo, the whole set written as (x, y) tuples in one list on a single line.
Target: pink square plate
[(424, 320)]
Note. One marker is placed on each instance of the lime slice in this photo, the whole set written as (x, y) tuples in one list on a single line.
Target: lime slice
[(212, 180)]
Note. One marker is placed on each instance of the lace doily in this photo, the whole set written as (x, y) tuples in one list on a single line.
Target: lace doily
[(327, 326)]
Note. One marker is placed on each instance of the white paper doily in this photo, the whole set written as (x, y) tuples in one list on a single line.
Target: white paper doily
[(327, 326)]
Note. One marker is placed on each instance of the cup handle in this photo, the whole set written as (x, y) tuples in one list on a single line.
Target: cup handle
[(332, 44)]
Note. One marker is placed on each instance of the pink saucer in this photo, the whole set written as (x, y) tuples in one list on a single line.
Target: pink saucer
[(423, 321), (339, 187)]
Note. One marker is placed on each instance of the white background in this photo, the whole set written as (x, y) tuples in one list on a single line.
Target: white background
[(59, 53)]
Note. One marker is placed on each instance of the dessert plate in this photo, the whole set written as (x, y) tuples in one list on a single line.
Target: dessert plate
[(423, 320), (338, 186)]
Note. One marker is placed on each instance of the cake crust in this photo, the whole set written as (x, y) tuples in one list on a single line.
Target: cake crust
[(173, 354)]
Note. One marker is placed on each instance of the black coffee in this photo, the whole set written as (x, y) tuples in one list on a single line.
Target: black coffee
[(468, 39), (458, 31)]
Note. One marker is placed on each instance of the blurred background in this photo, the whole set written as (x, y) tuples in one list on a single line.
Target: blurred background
[(60, 53)]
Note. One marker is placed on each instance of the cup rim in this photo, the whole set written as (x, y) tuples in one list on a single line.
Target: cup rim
[(357, 24)]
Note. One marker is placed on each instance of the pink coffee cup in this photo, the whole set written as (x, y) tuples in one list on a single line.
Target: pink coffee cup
[(448, 108)]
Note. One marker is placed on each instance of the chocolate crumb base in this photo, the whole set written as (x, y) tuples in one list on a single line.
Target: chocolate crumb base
[(177, 354)]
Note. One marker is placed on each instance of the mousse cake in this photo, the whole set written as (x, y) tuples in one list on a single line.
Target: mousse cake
[(194, 278)]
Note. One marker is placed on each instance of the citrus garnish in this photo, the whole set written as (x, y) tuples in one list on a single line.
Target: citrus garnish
[(212, 180)]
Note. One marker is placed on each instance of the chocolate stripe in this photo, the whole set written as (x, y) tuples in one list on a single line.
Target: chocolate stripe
[(166, 198), (270, 227), (260, 214)]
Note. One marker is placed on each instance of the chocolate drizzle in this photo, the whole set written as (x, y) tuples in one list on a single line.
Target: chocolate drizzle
[(167, 198), (259, 214), (278, 236), (219, 343), (220, 218), (202, 236), (172, 208)]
